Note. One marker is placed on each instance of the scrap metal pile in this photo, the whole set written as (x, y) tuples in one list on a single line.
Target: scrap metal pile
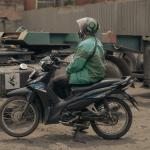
[(30, 47)]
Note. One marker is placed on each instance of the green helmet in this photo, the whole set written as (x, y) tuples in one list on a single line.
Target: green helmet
[(88, 25)]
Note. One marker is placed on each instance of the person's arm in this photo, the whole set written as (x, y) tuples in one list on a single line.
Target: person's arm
[(79, 60)]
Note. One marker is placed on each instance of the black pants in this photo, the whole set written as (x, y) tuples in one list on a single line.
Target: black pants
[(61, 86)]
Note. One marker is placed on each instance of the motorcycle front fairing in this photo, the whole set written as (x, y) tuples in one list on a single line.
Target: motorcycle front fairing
[(25, 91), (42, 96)]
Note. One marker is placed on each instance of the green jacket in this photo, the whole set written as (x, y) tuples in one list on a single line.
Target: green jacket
[(80, 70)]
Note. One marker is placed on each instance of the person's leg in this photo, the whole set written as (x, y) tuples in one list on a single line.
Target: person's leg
[(60, 85)]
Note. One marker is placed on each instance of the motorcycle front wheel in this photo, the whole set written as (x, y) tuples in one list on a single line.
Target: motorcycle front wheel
[(115, 120), (18, 118)]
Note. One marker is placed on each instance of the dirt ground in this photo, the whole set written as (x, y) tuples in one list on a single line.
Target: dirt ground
[(59, 137)]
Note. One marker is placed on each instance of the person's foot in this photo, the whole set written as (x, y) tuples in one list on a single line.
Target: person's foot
[(82, 128)]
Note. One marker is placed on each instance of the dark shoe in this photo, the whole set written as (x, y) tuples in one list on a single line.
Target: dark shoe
[(81, 127)]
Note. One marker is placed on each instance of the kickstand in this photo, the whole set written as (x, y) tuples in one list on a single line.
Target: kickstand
[(76, 131), (75, 135)]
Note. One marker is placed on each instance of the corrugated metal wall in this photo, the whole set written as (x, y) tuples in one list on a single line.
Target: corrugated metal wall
[(132, 17)]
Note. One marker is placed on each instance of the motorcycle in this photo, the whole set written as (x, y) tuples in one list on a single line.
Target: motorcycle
[(97, 105)]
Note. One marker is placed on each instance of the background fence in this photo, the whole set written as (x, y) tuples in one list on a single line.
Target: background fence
[(127, 17)]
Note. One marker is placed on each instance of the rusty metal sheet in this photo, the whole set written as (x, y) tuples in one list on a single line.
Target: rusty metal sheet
[(128, 17)]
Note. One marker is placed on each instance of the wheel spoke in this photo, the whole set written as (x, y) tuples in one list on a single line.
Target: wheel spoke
[(7, 118)]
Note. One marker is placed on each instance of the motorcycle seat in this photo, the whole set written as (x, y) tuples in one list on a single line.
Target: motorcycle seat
[(101, 84)]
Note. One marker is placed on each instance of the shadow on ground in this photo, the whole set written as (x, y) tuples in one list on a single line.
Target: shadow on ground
[(143, 95), (84, 140), (143, 99)]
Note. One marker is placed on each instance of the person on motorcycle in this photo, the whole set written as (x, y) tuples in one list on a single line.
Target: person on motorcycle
[(87, 66), (85, 70)]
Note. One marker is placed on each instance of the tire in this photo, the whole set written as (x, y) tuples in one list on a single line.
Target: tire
[(34, 126), (122, 65), (112, 70), (140, 62), (130, 59), (124, 131)]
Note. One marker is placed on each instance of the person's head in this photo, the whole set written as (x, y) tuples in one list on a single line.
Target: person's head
[(87, 26)]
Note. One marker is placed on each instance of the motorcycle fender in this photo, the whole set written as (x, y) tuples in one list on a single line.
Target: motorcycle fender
[(20, 92), (129, 98)]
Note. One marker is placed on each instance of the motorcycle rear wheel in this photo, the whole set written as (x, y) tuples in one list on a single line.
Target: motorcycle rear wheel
[(13, 122), (98, 127)]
